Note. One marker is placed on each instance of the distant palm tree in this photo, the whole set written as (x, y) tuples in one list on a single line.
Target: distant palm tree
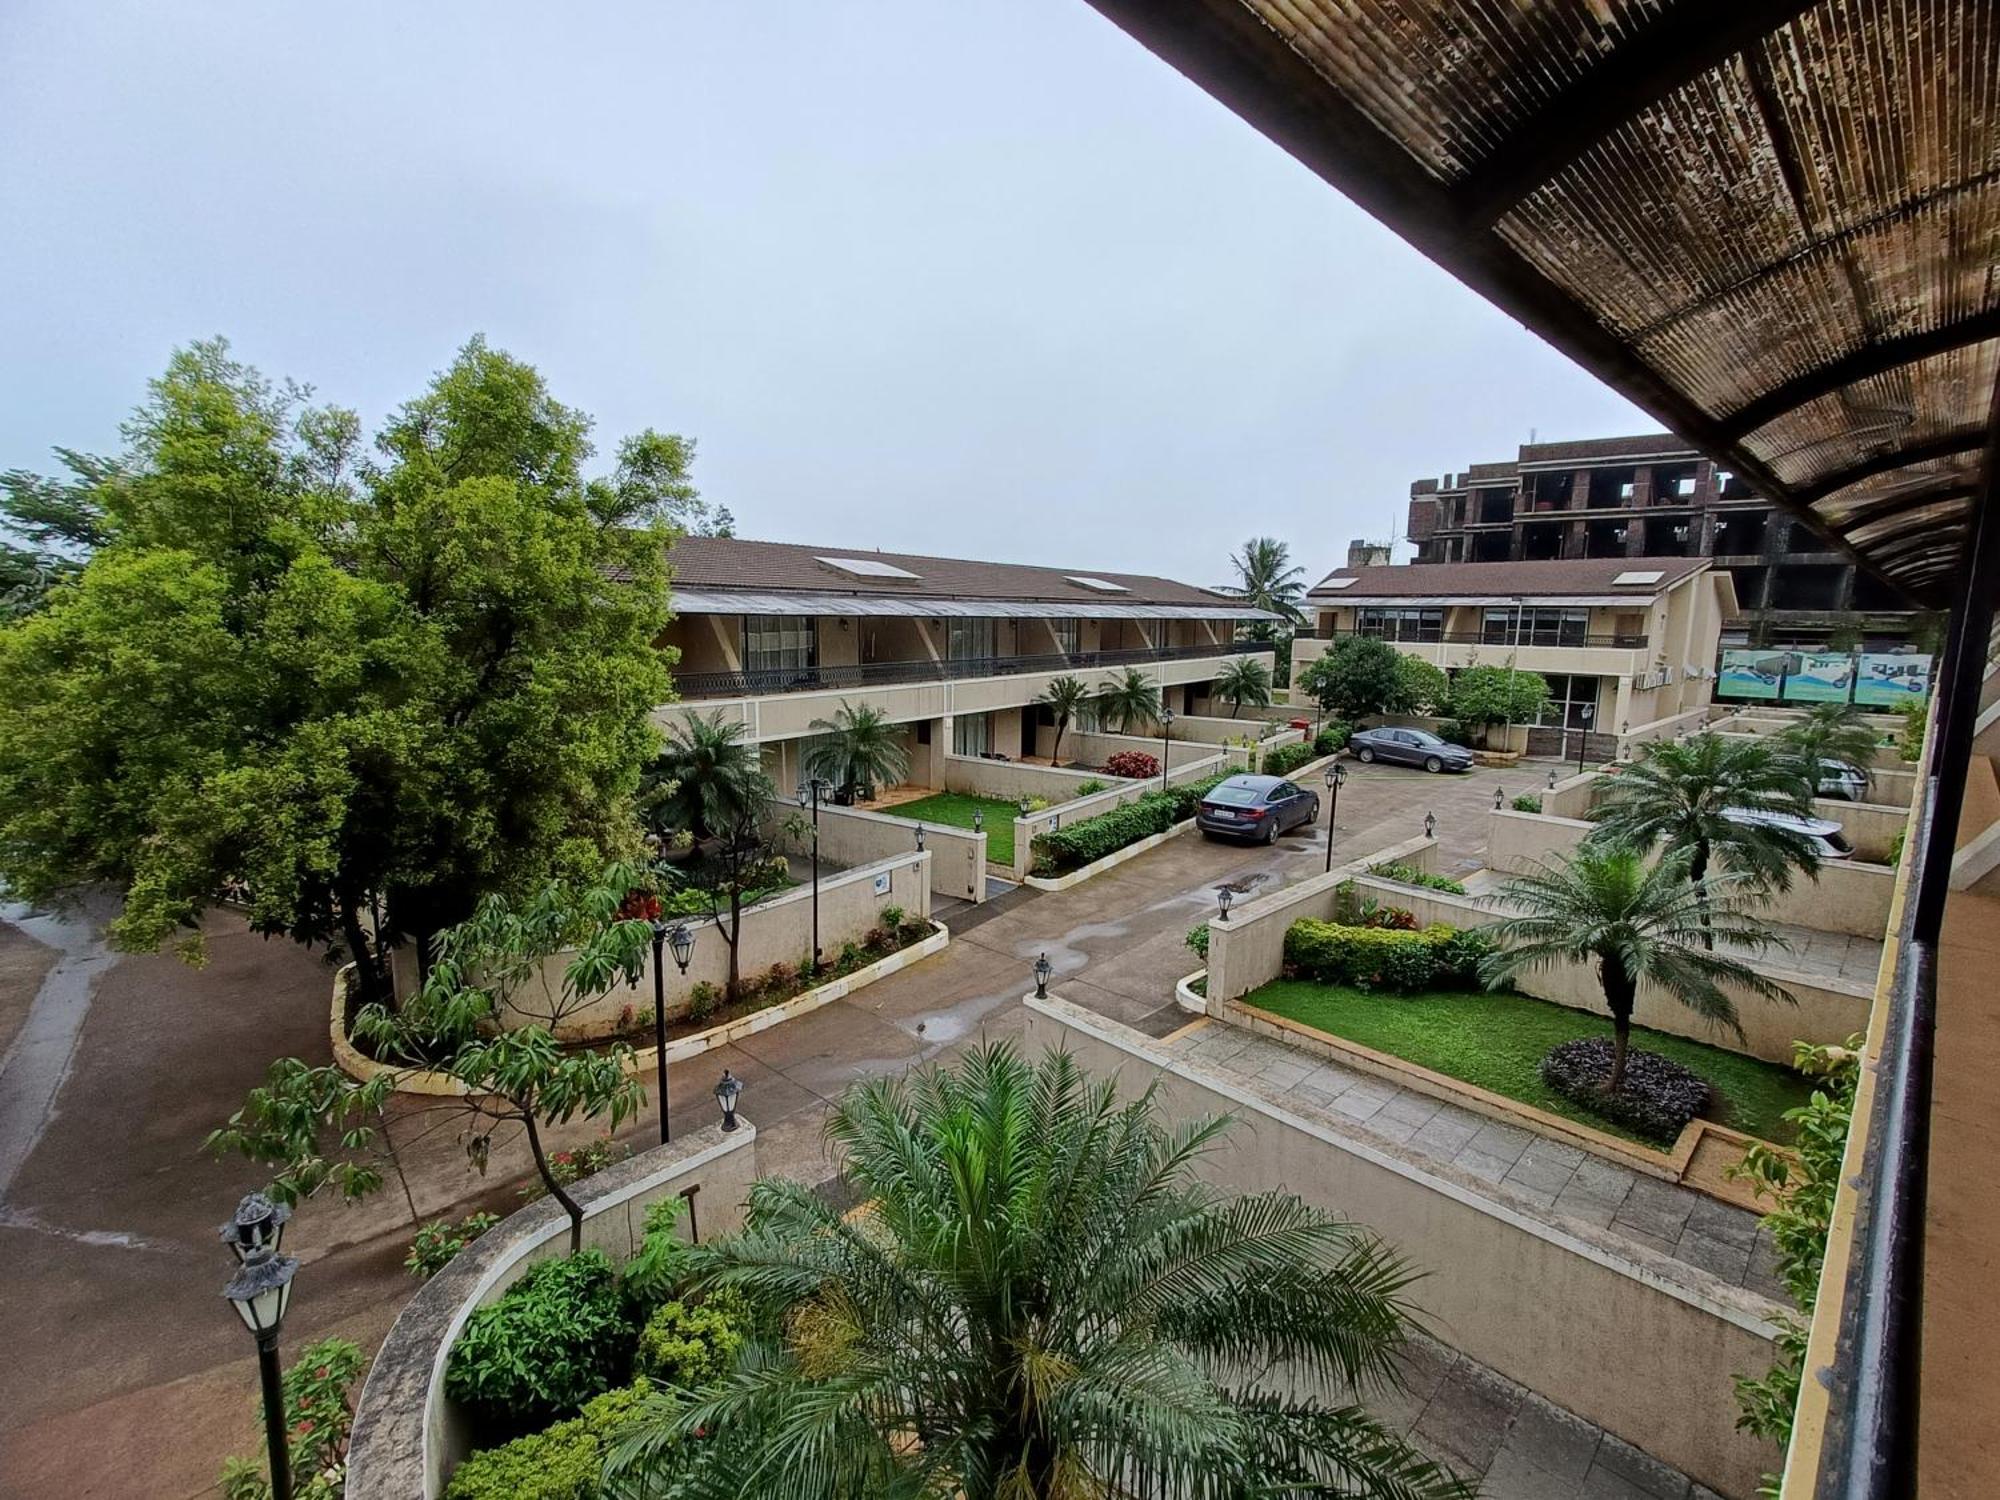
[(1244, 680), (1637, 924), (1682, 795), (1040, 1299), (1267, 579), (706, 779), (856, 748), (1129, 704), (1829, 731), (1067, 698)]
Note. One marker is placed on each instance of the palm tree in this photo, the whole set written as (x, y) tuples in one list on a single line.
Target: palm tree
[(1041, 1299), (1829, 731), (1638, 924), (1242, 681), (1130, 703), (705, 779), (1682, 795), (1067, 698), (857, 747), (1267, 579)]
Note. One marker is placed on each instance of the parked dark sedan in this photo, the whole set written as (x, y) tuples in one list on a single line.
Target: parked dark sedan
[(1259, 808), (1410, 747)]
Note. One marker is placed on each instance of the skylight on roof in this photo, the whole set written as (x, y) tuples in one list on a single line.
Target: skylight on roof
[(867, 567), (1102, 585), (1340, 583), (1641, 575)]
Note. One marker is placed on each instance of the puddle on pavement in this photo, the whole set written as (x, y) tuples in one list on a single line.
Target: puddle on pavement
[(1066, 951)]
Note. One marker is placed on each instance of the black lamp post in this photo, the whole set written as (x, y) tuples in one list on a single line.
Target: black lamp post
[(1552, 778), (260, 1291), (726, 1091), (814, 788), (677, 937), (1043, 969), (979, 820), (1496, 799), (1586, 713), (1223, 896), (1166, 739), (1430, 825), (1335, 775), (920, 838)]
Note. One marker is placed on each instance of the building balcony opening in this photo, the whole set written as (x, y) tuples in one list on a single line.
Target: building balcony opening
[(1729, 485), (1665, 538), (1611, 487), (1807, 586), (1540, 543), (1604, 539), (1549, 492), (1496, 505), (1750, 585), (1673, 484), (1742, 534), (1491, 546), (1875, 596)]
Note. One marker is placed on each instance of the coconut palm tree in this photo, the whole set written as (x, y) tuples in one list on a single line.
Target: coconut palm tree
[(1040, 1299), (1638, 923), (856, 748), (1267, 579), (705, 779), (1682, 795), (1829, 731), (1243, 680), (1128, 704), (1067, 698)]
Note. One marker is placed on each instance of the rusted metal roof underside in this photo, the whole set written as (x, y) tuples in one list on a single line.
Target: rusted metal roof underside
[(1774, 225)]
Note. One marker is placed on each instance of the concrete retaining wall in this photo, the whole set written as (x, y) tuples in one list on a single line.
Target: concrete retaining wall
[(1012, 780), (850, 836), (1589, 1328), (1095, 749), (1117, 794), (407, 1434)]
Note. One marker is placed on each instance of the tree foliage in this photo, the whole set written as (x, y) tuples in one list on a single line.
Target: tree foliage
[(1266, 578), (1128, 704), (339, 688), (1041, 1300), (1829, 731), (1481, 697), (49, 526), (1245, 679), (1357, 676), (1067, 699), (1421, 687), (858, 747)]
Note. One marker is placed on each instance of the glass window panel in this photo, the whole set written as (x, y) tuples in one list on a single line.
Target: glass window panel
[(971, 640), (780, 643), (970, 734)]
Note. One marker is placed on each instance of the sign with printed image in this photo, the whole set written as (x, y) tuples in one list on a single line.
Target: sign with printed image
[(1820, 677), (1752, 673), (1892, 679)]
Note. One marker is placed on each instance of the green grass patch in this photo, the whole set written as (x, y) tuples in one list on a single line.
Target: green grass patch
[(1497, 1042), (955, 810)]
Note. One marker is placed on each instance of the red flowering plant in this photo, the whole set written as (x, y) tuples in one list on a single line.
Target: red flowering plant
[(318, 1417), (639, 906), (1133, 765)]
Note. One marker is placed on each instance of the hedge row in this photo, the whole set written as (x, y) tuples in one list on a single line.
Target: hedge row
[(1084, 843), (1410, 875), (1288, 758), (1384, 958)]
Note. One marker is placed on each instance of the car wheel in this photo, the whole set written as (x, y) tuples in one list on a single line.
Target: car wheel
[(1433, 765), (1271, 833), (1364, 755)]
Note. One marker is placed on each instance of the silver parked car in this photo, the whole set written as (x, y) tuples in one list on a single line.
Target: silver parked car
[(1410, 747)]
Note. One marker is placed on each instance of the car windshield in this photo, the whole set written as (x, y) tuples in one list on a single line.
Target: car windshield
[(1236, 796), (1424, 737)]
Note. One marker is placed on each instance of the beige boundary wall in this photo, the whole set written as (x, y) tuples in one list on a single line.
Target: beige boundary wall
[(1117, 794), (1591, 1325), (407, 1434), (1011, 780), (852, 836)]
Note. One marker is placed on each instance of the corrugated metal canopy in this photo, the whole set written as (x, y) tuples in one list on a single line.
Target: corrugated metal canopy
[(798, 602), (1775, 225)]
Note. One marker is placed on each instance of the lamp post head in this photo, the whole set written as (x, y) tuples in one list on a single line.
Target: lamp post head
[(1430, 825), (920, 838), (727, 1090), (1339, 773), (261, 1290), (1496, 799), (1043, 969), (681, 941), (257, 1224), (1552, 779), (1223, 896), (1166, 716), (978, 820)]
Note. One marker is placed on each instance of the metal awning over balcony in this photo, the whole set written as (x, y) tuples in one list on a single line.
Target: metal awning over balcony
[(1774, 225), (696, 601)]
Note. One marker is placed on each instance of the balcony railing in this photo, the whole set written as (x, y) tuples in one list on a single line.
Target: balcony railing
[(1627, 641), (889, 673)]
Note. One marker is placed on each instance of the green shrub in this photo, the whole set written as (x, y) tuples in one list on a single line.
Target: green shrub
[(556, 1338), (1091, 839), (1528, 802), (1332, 738), (1910, 740), (1287, 758), (1371, 957), (1455, 732), (587, 1160), (1411, 875), (1197, 939), (1089, 787), (690, 1344), (563, 1462), (438, 1243), (892, 918), (1187, 797), (1460, 955), (702, 1000)]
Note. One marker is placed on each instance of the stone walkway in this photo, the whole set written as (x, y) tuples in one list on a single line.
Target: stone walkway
[(1705, 1241)]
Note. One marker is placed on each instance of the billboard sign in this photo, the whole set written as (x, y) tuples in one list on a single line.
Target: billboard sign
[(1752, 674), (1872, 679), (1888, 679), (1820, 677)]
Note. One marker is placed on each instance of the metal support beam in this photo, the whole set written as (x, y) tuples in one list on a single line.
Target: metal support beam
[(1869, 360), (1965, 440)]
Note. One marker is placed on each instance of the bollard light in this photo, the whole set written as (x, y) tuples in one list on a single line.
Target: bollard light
[(1223, 896), (726, 1092), (1552, 779), (920, 838), (1043, 969), (1496, 799), (978, 820), (1430, 825)]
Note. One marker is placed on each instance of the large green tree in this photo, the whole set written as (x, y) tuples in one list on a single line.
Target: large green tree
[(49, 526), (1481, 697), (342, 690), (1358, 675), (1040, 1300)]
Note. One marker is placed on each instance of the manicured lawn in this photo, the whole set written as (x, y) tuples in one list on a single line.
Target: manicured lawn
[(1497, 1042), (955, 810)]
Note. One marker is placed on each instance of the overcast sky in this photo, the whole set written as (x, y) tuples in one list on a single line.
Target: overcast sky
[(983, 279)]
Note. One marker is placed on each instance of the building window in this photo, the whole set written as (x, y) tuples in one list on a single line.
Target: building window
[(1569, 694), (1069, 636), (972, 640), (1401, 624), (780, 643), (970, 734), (1535, 627)]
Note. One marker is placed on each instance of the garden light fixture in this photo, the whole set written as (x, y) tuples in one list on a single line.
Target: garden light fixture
[(261, 1291), (1496, 799), (978, 820), (1223, 896), (1430, 825), (1552, 778), (1585, 712), (1166, 739), (676, 936), (815, 787), (257, 1224), (727, 1090), (681, 942), (1043, 969), (1335, 775), (920, 838)]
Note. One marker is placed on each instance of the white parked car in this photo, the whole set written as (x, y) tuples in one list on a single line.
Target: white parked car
[(1825, 836), (1839, 779)]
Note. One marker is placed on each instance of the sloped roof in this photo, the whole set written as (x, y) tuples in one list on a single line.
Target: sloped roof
[(1555, 578), (1775, 225)]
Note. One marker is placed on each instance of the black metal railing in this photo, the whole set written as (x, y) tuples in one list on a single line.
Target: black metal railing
[(886, 673), (1621, 641)]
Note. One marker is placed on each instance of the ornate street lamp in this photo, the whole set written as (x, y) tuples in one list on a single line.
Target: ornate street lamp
[(727, 1090), (1166, 739), (1496, 799), (978, 820), (1552, 778), (1043, 969), (814, 789), (920, 838), (1585, 712), (261, 1291), (676, 935), (1223, 896), (1336, 774), (1430, 825)]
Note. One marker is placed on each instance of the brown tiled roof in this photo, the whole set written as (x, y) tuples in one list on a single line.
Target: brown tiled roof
[(1550, 579), (771, 567)]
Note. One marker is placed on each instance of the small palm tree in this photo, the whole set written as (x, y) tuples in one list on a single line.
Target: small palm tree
[(1681, 796), (1244, 680), (857, 747), (704, 780), (1267, 579), (1829, 731), (1067, 698), (1129, 704), (1040, 1300), (1637, 923)]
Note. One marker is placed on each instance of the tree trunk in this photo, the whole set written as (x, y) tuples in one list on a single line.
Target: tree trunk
[(368, 975), (570, 1205), (1698, 872), (1055, 752), (1620, 992)]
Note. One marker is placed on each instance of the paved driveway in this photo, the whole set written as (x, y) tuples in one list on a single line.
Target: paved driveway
[(127, 1376)]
